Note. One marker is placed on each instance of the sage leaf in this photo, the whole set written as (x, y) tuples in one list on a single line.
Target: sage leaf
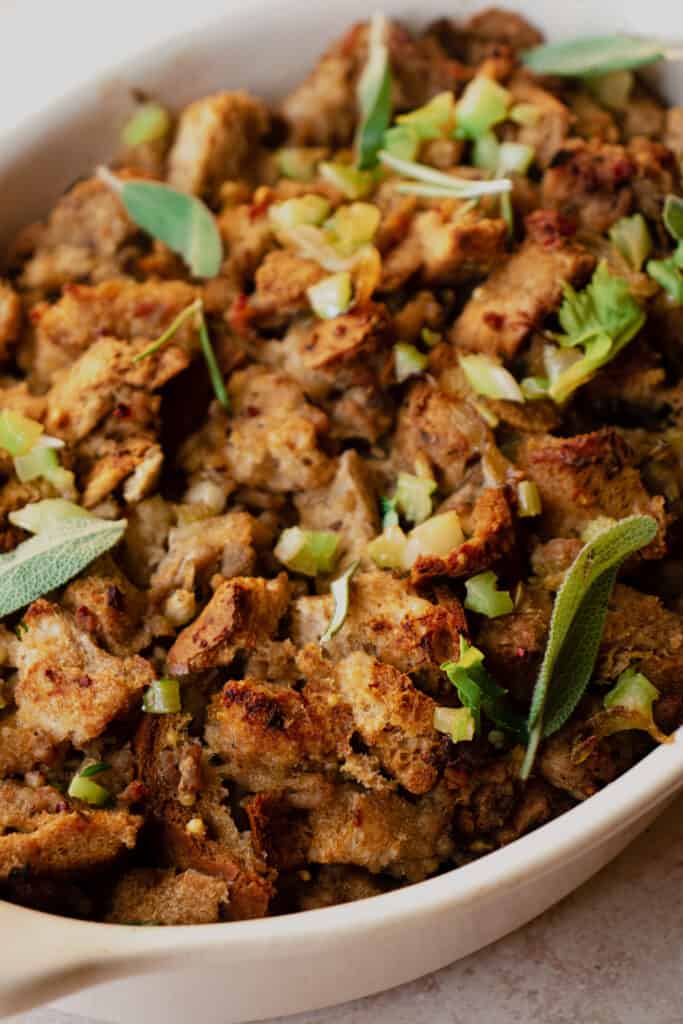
[(340, 593), (374, 96), (53, 557), (593, 55), (576, 627), (184, 223)]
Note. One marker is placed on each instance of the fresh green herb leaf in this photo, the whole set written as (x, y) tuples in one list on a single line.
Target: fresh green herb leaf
[(593, 55), (94, 769), (601, 319), (631, 238), (673, 217), (53, 557), (50, 514), (439, 184), (479, 692), (576, 627), (340, 593), (484, 597), (162, 698), (149, 122), (184, 223), (374, 96), (173, 327)]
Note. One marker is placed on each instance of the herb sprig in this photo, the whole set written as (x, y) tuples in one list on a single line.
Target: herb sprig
[(576, 627)]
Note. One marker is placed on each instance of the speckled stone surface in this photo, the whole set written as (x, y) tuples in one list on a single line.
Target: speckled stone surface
[(611, 953)]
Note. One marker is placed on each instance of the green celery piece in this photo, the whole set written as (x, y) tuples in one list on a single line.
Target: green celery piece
[(184, 223), (593, 55), (484, 597), (668, 276), (340, 593), (402, 141), (149, 122), (576, 627), (52, 558), (374, 97), (389, 510), (673, 217)]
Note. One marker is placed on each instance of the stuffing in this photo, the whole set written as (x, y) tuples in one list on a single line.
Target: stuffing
[(348, 506), (10, 319), (155, 896)]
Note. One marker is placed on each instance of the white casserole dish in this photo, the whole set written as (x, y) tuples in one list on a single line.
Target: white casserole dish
[(254, 969)]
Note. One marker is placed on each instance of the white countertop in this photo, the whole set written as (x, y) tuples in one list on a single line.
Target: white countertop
[(609, 954)]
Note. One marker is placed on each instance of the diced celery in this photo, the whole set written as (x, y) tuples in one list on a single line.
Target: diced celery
[(437, 536), (402, 141), (388, 550), (162, 697), (673, 218), (515, 158), (331, 296), (430, 337), (469, 655), (613, 89), (534, 388), (297, 162), (90, 792), (525, 114), (434, 119), (52, 513), (631, 237), (44, 462), (557, 361), (353, 226), (634, 691), (149, 122), (668, 276), (18, 433), (414, 496), (486, 152), (458, 723), (309, 552), (408, 361), (354, 184), (484, 597), (486, 376), (529, 499), (483, 104), (292, 213)]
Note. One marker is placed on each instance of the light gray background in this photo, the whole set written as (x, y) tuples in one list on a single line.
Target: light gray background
[(612, 953)]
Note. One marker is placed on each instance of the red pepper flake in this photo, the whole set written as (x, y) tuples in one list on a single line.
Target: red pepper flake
[(240, 314), (494, 320), (520, 652)]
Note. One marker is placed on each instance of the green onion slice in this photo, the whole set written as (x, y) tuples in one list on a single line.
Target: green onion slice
[(374, 96), (340, 589), (458, 188), (593, 55), (484, 597), (162, 697), (94, 769)]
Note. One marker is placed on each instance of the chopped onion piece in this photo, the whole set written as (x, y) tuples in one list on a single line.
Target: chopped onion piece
[(340, 593), (458, 723), (408, 361), (486, 376), (309, 552), (437, 536), (162, 697), (388, 550), (484, 597), (18, 433), (529, 499)]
